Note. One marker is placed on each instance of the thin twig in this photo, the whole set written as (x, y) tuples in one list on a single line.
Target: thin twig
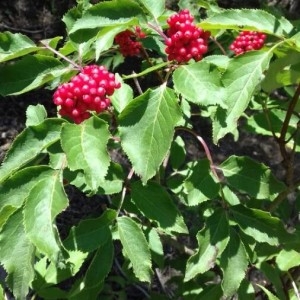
[(126, 277), (61, 55), (21, 29), (124, 190), (137, 84)]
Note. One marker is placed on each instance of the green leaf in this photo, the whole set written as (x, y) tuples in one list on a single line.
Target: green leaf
[(29, 144), (49, 274), (200, 186), (177, 153), (15, 190), (157, 205), (100, 264), (13, 45), (122, 96), (210, 292), (278, 75), (287, 259), (274, 275), (156, 247), (45, 201), (221, 61), (190, 79), (17, 255), (295, 39), (240, 80), (136, 248), (259, 123), (248, 19), (230, 196), (259, 224), (90, 234), (105, 14), (147, 128), (212, 241), (154, 8), (249, 176), (234, 263), (270, 295), (85, 146), (35, 114), (105, 38), (28, 73)]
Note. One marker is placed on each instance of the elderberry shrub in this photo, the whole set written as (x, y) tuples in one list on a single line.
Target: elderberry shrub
[(247, 41), (88, 91), (128, 41), (185, 40)]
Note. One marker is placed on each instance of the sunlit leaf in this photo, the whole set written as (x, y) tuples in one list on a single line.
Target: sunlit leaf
[(44, 202), (85, 146), (147, 128)]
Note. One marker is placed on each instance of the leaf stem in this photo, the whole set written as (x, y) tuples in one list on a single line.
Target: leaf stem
[(61, 55), (158, 30), (294, 285), (206, 149)]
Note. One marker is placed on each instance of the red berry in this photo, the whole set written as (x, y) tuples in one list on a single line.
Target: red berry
[(86, 92), (247, 41), (128, 41), (185, 40)]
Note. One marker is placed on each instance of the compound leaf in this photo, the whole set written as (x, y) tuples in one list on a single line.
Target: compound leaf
[(100, 265), (15, 190), (13, 45), (234, 263), (85, 146), (157, 205), (240, 80), (259, 224), (105, 14), (147, 128), (135, 247), (29, 144), (35, 114), (248, 19), (17, 255), (212, 241), (254, 178), (200, 186), (45, 201), (28, 73), (154, 8), (287, 259), (199, 84), (90, 234)]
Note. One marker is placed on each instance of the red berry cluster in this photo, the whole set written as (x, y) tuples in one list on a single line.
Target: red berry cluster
[(128, 41), (248, 40), (185, 40), (86, 92)]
